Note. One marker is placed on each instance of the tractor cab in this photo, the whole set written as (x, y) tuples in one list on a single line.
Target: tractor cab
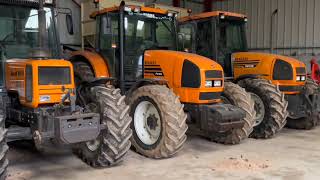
[(221, 36), (38, 97), (20, 32), (216, 35), (142, 29)]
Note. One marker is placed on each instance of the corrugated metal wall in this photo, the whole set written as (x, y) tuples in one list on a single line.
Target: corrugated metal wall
[(196, 7), (296, 28)]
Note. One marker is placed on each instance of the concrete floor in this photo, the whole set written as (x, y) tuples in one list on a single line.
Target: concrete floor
[(292, 155)]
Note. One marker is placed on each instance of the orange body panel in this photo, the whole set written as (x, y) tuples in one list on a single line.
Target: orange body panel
[(16, 81), (171, 64), (97, 62), (142, 9), (210, 14), (246, 63), (253, 63)]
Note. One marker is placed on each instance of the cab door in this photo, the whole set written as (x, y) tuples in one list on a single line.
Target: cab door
[(204, 38)]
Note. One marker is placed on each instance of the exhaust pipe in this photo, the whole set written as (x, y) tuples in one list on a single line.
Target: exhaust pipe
[(121, 64), (41, 52)]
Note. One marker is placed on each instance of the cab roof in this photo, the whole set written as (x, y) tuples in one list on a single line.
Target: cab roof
[(117, 8), (210, 14)]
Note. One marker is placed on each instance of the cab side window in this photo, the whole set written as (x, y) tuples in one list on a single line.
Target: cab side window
[(185, 38), (109, 41), (204, 34)]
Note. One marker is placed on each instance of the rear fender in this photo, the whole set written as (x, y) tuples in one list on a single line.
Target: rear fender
[(97, 63)]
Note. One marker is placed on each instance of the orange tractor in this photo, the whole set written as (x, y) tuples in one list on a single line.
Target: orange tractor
[(273, 80), (38, 97), (164, 88)]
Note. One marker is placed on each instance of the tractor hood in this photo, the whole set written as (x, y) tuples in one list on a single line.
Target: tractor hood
[(177, 58), (186, 73), (267, 57), (289, 73)]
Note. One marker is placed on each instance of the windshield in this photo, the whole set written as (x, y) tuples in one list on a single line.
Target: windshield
[(19, 30), (148, 31), (231, 36)]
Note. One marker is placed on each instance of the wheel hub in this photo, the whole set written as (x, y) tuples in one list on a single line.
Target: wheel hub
[(152, 122), (147, 122), (259, 108)]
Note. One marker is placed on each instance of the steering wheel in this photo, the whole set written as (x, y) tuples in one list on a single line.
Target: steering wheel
[(148, 45)]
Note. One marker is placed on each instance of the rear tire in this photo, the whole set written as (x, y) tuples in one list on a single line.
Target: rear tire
[(169, 114), (4, 162), (274, 104), (114, 142), (237, 96), (82, 72), (4, 148), (312, 120)]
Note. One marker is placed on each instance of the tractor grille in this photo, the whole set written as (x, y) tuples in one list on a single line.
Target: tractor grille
[(214, 74), (282, 70), (301, 70), (291, 88), (209, 95)]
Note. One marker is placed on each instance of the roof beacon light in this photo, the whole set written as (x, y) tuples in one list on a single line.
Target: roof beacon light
[(127, 9), (48, 1), (137, 9), (189, 12)]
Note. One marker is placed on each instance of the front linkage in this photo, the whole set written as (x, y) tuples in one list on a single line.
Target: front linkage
[(304, 108)]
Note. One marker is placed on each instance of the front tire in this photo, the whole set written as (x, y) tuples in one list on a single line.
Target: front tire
[(270, 106), (157, 113), (237, 96), (4, 162), (114, 142)]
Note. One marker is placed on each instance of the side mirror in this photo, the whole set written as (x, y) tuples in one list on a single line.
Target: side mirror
[(69, 23)]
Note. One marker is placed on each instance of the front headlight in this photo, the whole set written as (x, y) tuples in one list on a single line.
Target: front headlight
[(45, 98), (208, 84), (300, 78), (217, 83)]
